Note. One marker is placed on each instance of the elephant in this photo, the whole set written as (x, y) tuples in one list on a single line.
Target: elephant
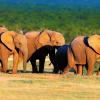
[(83, 51), (61, 58), (40, 44), (41, 55), (8, 44)]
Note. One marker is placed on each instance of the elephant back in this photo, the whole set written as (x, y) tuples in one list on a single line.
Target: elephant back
[(78, 49), (94, 42), (57, 39), (32, 35)]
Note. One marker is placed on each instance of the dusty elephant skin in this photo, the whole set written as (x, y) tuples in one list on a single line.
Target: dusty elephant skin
[(39, 45), (27, 45), (6, 49), (8, 46), (85, 51)]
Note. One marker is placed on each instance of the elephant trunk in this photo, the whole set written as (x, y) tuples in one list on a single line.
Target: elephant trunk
[(25, 60), (24, 51), (20, 42)]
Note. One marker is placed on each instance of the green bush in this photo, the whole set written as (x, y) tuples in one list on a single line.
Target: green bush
[(67, 21)]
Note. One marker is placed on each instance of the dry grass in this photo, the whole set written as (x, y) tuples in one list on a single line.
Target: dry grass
[(48, 86)]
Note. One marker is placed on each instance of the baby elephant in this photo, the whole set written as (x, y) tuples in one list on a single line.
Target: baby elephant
[(62, 58), (41, 54)]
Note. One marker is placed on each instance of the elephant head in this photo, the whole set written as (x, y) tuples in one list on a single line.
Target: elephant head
[(7, 39), (46, 37), (94, 42), (52, 38)]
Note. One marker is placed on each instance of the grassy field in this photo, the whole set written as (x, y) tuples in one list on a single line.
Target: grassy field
[(48, 86)]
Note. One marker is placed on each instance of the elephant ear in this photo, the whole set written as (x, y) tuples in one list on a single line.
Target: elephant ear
[(7, 40), (94, 42), (43, 39), (57, 39)]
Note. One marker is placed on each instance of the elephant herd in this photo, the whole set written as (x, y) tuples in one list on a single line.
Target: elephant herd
[(81, 52)]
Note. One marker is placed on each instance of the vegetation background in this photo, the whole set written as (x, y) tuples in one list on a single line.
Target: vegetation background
[(70, 17)]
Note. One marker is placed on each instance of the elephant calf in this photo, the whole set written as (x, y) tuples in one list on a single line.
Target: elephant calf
[(41, 55), (62, 58)]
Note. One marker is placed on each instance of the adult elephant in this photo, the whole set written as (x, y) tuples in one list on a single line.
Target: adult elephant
[(40, 44), (10, 40), (83, 51)]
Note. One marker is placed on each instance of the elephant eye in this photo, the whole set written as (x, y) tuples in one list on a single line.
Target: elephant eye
[(57, 42), (19, 44)]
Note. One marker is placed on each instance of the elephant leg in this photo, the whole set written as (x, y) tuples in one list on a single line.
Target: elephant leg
[(4, 59), (41, 65), (53, 60), (34, 67), (90, 68), (4, 64), (98, 72), (80, 70), (1, 69), (66, 69), (15, 62)]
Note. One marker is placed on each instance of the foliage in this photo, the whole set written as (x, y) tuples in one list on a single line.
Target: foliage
[(67, 20)]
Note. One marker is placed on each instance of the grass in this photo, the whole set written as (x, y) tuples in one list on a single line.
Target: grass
[(48, 86)]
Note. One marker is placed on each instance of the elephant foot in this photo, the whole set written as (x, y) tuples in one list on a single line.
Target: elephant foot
[(89, 73), (55, 71), (3, 70), (24, 71), (14, 72), (40, 71), (98, 73), (35, 72)]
